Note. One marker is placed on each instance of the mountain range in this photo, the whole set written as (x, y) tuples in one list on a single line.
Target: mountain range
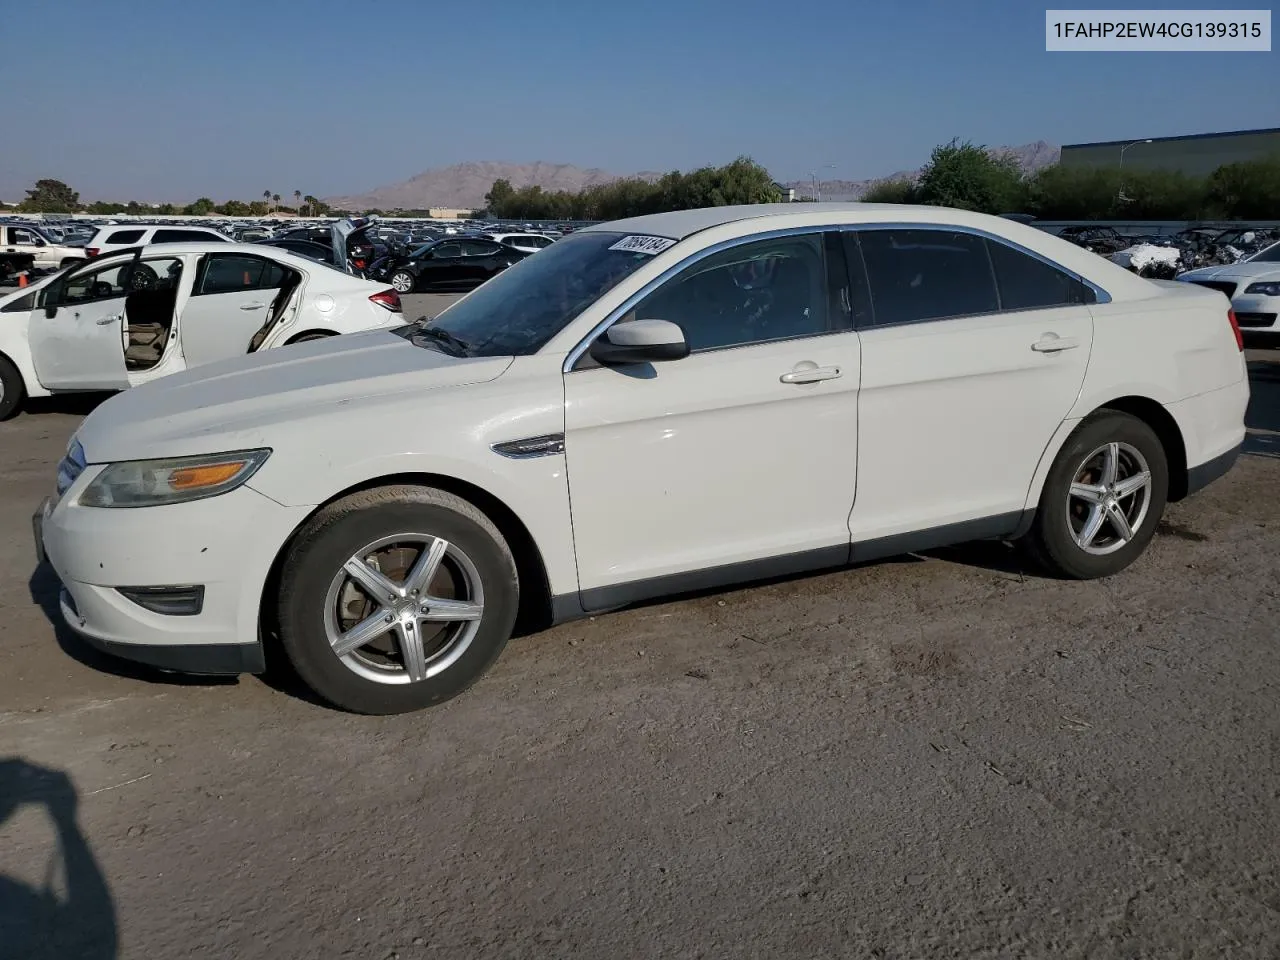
[(463, 185)]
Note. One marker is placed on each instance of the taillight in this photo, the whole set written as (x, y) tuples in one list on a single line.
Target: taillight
[(92, 251), (388, 299), (1235, 328)]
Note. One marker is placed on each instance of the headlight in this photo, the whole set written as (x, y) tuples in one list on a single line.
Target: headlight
[(1269, 289), (150, 483)]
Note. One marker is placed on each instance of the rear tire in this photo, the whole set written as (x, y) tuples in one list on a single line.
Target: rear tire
[(326, 612), (1080, 527), (12, 388), (306, 337)]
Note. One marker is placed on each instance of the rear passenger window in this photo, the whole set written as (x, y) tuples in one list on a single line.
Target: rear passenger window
[(918, 275), (181, 236), (236, 273), (1027, 283), (124, 236)]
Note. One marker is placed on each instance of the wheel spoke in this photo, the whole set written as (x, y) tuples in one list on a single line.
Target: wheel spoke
[(1120, 522), (374, 583), (440, 610), (424, 570), (1110, 464), (1093, 523), (409, 638), (367, 629), (1131, 485), (1087, 492)]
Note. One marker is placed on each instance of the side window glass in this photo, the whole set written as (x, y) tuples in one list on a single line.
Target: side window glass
[(100, 284), (156, 274), (233, 273), (1027, 283), (124, 236), (753, 293), (25, 237), (917, 275), (446, 250)]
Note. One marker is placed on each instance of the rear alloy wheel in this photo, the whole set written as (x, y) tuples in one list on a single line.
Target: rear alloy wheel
[(1102, 499), (12, 389), (397, 598), (402, 281)]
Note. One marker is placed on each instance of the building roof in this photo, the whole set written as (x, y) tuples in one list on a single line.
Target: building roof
[(1190, 136)]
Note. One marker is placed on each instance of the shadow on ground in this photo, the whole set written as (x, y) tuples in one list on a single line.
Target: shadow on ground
[(71, 914)]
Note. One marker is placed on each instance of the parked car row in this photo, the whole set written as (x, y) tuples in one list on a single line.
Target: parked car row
[(1163, 257)]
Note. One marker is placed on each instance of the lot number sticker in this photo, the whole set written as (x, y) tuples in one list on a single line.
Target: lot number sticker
[(649, 245)]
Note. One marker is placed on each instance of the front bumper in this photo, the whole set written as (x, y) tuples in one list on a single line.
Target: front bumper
[(226, 544)]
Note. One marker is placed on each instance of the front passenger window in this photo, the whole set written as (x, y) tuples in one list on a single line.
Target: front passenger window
[(753, 293), (100, 284)]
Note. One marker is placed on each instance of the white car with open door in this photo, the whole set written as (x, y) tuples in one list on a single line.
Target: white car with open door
[(122, 319), (721, 395)]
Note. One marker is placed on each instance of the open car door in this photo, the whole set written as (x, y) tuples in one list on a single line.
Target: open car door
[(77, 333)]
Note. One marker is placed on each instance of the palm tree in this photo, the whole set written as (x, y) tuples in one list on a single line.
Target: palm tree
[(297, 200), (266, 195), (312, 204), (275, 198)]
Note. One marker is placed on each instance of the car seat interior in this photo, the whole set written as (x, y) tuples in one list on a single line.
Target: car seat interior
[(278, 306), (148, 318)]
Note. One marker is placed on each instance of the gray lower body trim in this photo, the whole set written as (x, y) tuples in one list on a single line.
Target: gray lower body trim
[(214, 659), (601, 599), (1201, 476)]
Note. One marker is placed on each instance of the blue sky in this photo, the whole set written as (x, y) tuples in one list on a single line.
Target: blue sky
[(157, 100)]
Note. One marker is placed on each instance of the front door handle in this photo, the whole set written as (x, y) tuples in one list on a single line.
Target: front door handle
[(252, 306), (810, 374), (107, 320), (1052, 343)]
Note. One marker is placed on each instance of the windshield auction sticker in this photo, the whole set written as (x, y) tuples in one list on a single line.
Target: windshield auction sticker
[(649, 245)]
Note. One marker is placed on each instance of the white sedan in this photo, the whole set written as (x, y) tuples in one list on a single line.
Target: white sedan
[(1254, 288), (123, 319), (721, 395)]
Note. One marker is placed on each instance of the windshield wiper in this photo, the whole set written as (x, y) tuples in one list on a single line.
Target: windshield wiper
[(456, 347)]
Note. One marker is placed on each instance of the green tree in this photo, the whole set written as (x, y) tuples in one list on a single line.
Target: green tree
[(51, 196), (1249, 190), (166, 209), (967, 177), (234, 208), (257, 209), (105, 207), (266, 195), (901, 190), (201, 208)]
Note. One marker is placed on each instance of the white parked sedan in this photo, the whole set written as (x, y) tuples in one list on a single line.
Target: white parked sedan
[(650, 406), (1254, 288), (123, 319)]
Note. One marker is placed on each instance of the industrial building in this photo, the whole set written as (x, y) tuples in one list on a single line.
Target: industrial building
[(1197, 155)]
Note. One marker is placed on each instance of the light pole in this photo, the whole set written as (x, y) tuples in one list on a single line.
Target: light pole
[(818, 185), (1126, 147)]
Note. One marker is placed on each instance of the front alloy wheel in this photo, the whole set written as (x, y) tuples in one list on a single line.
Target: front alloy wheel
[(404, 608), (396, 598), (402, 281)]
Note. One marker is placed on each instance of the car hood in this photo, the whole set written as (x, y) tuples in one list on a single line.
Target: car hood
[(1234, 271), (248, 401)]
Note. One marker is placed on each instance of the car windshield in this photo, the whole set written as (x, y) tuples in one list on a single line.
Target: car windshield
[(522, 308), (1269, 255)]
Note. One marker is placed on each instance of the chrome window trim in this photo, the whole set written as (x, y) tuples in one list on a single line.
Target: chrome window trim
[(632, 301)]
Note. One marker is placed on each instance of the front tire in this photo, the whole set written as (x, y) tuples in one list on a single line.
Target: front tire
[(396, 599), (402, 281), (12, 388), (1102, 500)]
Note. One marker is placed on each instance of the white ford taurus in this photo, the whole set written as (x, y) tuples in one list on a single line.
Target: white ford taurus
[(650, 406), (126, 318)]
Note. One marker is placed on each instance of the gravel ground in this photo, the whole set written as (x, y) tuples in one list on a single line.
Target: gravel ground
[(935, 756)]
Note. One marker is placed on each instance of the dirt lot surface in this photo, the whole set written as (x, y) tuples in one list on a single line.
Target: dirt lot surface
[(931, 757)]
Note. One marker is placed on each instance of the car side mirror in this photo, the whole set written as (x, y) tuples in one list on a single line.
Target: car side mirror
[(640, 341)]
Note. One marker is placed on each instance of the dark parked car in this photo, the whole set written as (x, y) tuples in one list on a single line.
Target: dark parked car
[(453, 263), (304, 248), (360, 247)]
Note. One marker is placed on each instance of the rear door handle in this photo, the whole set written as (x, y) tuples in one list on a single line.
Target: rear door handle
[(811, 375), (252, 306), (108, 320), (1054, 344)]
